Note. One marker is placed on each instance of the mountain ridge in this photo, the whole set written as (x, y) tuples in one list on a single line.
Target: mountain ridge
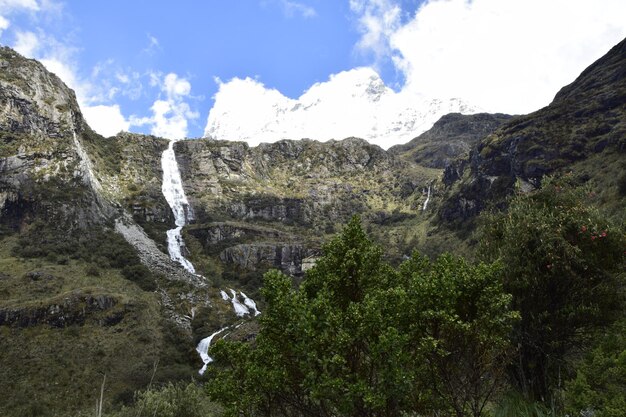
[(62, 186)]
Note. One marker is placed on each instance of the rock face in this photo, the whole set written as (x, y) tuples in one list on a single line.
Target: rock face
[(304, 183), (43, 164), (271, 205), (450, 138), (585, 121), (55, 169), (72, 309), (287, 258)]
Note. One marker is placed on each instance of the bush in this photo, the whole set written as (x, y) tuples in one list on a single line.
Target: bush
[(171, 400), (361, 338), (561, 261), (599, 386), (141, 276)]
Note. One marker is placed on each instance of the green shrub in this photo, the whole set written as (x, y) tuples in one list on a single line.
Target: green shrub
[(141, 276), (561, 260), (171, 400), (93, 270)]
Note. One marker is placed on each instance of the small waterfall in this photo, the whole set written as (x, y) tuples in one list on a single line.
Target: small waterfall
[(174, 194), (427, 200), (203, 349), (249, 302)]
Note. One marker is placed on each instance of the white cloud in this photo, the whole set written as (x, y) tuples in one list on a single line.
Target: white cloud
[(175, 87), (11, 5), (4, 24), (8, 7), (351, 103), (26, 43), (170, 116), (507, 56), (106, 120), (377, 21), (292, 8)]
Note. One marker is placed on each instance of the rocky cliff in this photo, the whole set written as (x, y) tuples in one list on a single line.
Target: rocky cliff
[(450, 138), (70, 287), (43, 163)]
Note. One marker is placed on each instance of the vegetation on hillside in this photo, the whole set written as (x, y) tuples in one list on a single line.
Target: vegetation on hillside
[(444, 337), (562, 263), (73, 307)]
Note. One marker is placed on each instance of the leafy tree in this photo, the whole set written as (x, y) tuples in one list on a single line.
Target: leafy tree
[(600, 383), (561, 261), (328, 349), (359, 338), (461, 328)]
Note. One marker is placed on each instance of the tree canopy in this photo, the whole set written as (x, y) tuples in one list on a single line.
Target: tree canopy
[(361, 338), (562, 264)]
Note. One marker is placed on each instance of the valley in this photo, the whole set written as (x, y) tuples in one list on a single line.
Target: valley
[(129, 256)]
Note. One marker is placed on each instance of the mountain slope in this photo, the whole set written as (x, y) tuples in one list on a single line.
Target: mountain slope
[(450, 138), (75, 301), (78, 212), (582, 131)]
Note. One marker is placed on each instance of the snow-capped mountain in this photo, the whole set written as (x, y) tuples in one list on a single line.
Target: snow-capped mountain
[(351, 103)]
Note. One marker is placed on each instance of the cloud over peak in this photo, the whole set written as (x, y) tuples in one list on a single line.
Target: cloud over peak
[(351, 103), (509, 56)]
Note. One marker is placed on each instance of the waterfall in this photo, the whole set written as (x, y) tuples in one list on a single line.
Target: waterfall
[(427, 200), (203, 349), (249, 302), (174, 194)]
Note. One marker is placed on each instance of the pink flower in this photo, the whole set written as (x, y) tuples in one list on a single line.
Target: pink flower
[(583, 229)]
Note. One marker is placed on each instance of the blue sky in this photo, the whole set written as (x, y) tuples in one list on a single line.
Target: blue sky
[(157, 66)]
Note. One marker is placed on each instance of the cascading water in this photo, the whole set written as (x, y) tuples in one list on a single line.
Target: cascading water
[(203, 349), (427, 200), (173, 192)]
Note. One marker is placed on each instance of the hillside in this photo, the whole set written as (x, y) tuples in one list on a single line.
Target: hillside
[(75, 300), (450, 138), (83, 257), (87, 286), (581, 132)]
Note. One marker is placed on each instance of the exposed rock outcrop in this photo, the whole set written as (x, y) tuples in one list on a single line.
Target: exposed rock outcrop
[(287, 258), (450, 138), (70, 309)]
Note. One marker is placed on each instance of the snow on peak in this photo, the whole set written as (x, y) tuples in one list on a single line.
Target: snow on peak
[(351, 103)]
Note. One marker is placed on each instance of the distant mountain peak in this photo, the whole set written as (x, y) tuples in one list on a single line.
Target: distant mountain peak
[(350, 103)]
